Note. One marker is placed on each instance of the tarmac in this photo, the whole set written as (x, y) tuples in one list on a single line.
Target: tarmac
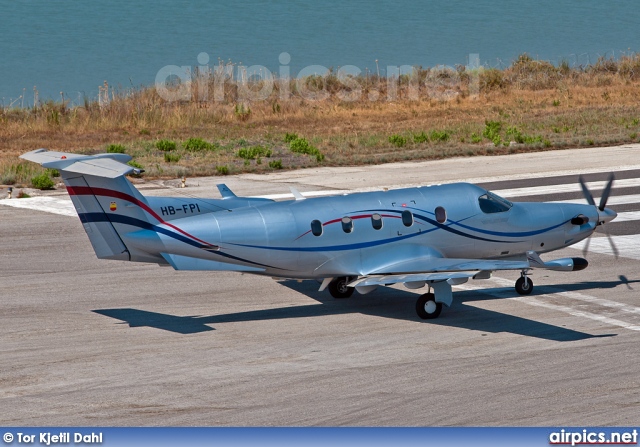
[(87, 342)]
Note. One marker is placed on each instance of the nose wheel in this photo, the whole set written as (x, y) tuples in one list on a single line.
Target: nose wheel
[(524, 285)]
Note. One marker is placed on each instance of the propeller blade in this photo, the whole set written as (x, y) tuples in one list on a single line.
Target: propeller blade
[(624, 280), (586, 192), (614, 249), (606, 192), (585, 250)]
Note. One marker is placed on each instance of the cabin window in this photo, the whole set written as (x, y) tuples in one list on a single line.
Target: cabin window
[(376, 221), (347, 224), (441, 215), (407, 218), (316, 227), (491, 203)]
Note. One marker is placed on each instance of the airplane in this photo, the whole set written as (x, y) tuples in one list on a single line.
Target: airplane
[(434, 236)]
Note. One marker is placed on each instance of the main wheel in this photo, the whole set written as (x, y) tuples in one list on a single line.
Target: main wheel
[(524, 288), (427, 308), (338, 287)]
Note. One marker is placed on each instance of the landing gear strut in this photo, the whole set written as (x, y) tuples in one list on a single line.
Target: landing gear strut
[(427, 307), (338, 287), (524, 285)]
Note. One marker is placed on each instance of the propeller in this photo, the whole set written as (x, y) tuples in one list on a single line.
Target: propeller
[(604, 214)]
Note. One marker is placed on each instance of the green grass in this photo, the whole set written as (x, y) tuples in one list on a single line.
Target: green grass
[(116, 149), (302, 146), (171, 158), (398, 140), (166, 145), (253, 153), (198, 145)]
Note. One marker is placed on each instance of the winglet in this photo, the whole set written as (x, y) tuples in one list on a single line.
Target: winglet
[(225, 192)]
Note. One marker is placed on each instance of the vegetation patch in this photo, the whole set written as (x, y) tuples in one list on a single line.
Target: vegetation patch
[(42, 181), (398, 140), (166, 145), (253, 153), (116, 149), (302, 146), (289, 137), (275, 164), (171, 158), (198, 145)]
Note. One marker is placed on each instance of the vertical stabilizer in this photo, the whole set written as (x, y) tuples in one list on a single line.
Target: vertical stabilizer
[(108, 205)]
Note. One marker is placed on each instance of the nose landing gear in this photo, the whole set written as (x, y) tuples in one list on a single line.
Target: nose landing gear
[(524, 285)]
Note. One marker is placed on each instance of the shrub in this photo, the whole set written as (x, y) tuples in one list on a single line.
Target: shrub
[(252, 153), (197, 145), (289, 137), (475, 138), (42, 181), (398, 140), (115, 149), (421, 137), (166, 145), (439, 135), (171, 158), (519, 137), (275, 164), (8, 178), (492, 131), (492, 79), (302, 146), (222, 170), (145, 132)]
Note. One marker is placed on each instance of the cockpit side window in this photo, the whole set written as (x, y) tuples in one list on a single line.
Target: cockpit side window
[(491, 203)]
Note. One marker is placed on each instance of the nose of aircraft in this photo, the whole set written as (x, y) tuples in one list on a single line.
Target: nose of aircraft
[(606, 215)]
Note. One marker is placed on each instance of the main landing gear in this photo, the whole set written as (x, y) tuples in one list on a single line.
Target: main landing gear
[(338, 287), (524, 285), (427, 307)]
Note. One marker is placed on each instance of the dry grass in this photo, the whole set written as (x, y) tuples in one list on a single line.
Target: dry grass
[(543, 106)]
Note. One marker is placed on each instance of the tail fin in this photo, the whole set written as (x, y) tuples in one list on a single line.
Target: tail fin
[(106, 202)]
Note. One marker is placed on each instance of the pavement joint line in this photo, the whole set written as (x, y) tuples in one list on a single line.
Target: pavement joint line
[(564, 188), (536, 302)]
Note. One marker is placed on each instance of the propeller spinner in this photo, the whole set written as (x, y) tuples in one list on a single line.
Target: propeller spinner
[(604, 214)]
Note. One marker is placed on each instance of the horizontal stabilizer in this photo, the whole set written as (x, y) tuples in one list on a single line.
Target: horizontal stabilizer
[(101, 165), (179, 262)]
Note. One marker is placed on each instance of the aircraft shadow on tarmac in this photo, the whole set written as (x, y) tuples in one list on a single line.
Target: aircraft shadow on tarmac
[(386, 303)]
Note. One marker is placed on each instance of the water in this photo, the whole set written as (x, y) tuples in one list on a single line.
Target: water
[(73, 47)]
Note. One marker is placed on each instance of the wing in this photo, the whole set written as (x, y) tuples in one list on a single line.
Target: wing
[(417, 271)]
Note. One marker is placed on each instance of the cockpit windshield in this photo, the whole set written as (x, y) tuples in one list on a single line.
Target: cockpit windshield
[(491, 203)]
